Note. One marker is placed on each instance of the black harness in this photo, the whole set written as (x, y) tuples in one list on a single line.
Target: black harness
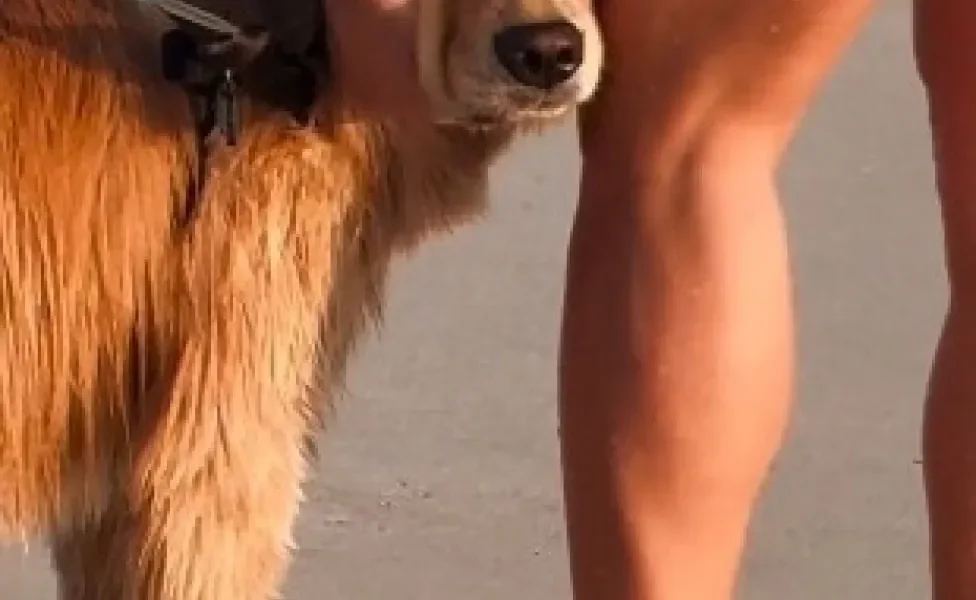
[(217, 62)]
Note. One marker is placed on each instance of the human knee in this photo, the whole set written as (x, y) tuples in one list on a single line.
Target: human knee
[(725, 167), (945, 51), (705, 101)]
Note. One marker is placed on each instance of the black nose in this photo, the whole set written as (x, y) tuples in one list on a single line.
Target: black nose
[(540, 55)]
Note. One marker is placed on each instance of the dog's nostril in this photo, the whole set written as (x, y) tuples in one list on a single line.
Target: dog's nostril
[(540, 55)]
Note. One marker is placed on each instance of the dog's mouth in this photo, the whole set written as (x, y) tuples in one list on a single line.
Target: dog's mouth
[(491, 121), (507, 110)]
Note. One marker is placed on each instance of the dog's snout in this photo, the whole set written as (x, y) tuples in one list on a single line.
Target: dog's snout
[(540, 55)]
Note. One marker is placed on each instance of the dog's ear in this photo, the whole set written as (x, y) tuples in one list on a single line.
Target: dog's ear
[(433, 21)]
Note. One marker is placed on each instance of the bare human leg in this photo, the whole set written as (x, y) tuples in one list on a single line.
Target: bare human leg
[(676, 366), (946, 52)]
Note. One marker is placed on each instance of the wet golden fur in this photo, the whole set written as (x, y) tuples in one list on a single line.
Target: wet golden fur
[(160, 384)]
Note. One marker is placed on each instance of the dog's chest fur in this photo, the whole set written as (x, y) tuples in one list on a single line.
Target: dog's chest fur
[(120, 327)]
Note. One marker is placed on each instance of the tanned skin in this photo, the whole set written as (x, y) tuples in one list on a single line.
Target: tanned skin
[(677, 355)]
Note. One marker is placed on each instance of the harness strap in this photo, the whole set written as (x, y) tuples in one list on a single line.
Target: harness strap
[(217, 62)]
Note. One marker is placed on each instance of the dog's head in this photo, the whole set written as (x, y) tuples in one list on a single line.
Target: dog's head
[(491, 61)]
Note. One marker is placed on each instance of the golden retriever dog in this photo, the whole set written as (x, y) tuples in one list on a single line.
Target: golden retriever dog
[(163, 379)]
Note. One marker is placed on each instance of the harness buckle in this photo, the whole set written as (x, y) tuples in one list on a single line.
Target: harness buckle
[(210, 73), (217, 62)]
